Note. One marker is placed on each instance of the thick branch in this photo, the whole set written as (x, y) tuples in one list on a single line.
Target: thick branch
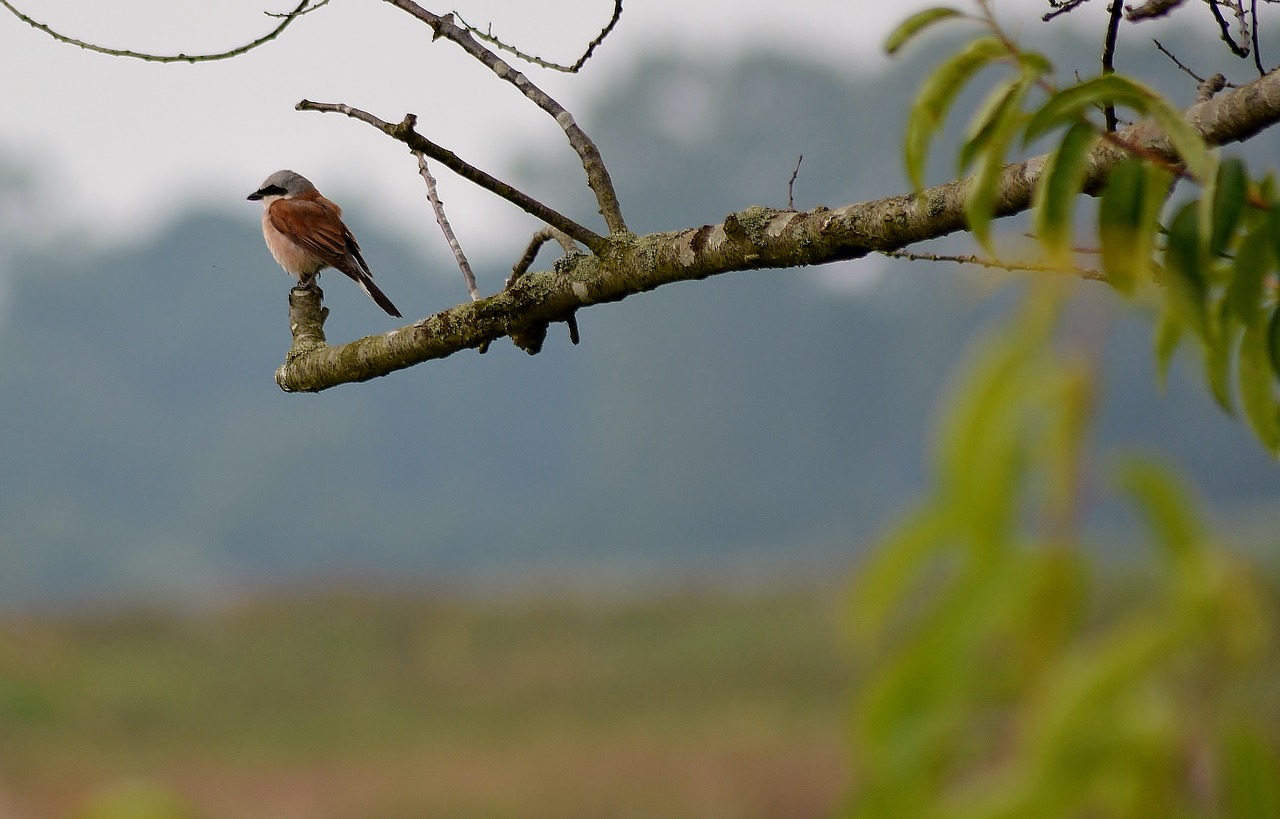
[(597, 174), (419, 144), (753, 238)]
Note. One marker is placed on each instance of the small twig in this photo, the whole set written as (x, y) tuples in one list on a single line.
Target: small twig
[(791, 202), (1000, 264), (298, 13), (467, 275), (1257, 52), (405, 133), (494, 40), (1205, 87), (1225, 27), (1166, 52), (1108, 58), (1063, 8), (597, 174), (301, 9), (536, 242)]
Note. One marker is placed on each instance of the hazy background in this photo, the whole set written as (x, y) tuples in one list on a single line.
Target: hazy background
[(758, 426), (606, 580)]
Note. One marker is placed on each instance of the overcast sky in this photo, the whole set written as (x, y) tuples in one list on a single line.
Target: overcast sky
[(118, 143)]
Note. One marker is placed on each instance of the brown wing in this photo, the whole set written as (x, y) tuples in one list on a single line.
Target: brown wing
[(312, 225)]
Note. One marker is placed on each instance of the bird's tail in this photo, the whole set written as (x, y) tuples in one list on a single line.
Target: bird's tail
[(380, 298), (355, 269)]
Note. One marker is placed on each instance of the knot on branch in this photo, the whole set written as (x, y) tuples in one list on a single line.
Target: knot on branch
[(405, 129), (748, 224), (531, 337)]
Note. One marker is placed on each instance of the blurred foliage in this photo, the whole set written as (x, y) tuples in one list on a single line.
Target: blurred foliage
[(1001, 682)]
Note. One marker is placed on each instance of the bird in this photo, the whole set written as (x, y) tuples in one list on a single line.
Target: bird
[(305, 233)]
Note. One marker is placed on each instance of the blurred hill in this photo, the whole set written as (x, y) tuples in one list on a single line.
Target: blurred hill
[(760, 422)]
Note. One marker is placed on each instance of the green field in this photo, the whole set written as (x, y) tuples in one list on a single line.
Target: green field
[(343, 705)]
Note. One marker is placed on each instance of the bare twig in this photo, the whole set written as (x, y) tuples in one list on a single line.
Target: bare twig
[(531, 251), (791, 202), (597, 174), (1000, 264), (489, 37), (467, 275), (307, 10), (1257, 52), (1225, 27), (404, 133), (1062, 8), (287, 18), (1166, 52), (1109, 56)]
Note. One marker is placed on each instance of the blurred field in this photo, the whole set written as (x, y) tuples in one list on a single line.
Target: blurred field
[(695, 705)]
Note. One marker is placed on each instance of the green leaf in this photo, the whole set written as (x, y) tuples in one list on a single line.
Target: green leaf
[(1166, 506), (1251, 776), (892, 565), (1253, 259), (1128, 220), (1186, 139), (1033, 64), (1061, 181), (1004, 101), (1257, 394), (1273, 219), (1273, 341), (1168, 337), (984, 187), (1120, 220), (1219, 345), (1183, 263), (938, 94), (1075, 103), (1229, 196), (915, 24)]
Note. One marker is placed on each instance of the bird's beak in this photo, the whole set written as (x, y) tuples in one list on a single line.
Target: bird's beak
[(255, 196)]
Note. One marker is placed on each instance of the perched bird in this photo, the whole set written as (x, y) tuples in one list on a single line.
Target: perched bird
[(305, 234)]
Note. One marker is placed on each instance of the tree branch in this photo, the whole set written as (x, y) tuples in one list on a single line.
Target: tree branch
[(597, 174), (750, 239), (287, 18)]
